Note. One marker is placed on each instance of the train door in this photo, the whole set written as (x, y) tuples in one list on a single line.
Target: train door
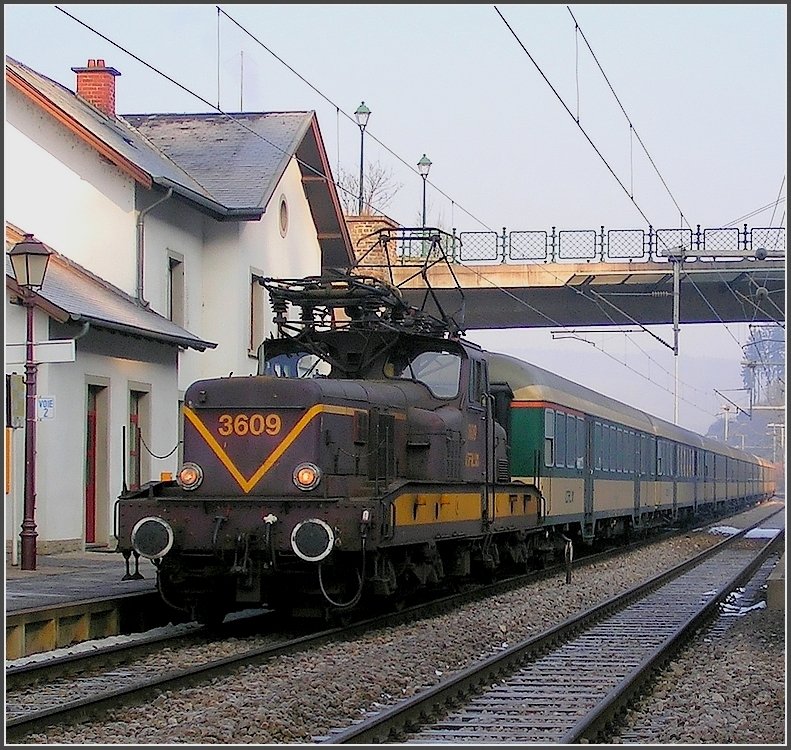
[(589, 523), (479, 440), (637, 467)]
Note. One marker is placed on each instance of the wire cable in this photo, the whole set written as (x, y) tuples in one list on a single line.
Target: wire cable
[(329, 179)]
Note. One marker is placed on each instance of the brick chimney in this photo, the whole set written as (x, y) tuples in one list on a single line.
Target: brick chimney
[(96, 84)]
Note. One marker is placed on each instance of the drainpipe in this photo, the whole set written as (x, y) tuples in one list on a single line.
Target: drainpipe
[(140, 216)]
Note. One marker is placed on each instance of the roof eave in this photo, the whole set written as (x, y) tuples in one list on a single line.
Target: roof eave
[(36, 96), (110, 325), (329, 236), (62, 315), (217, 210)]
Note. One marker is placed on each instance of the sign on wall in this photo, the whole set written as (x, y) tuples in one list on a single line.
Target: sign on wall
[(57, 350), (45, 407)]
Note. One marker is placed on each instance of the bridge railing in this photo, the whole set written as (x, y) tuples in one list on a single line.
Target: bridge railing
[(611, 245)]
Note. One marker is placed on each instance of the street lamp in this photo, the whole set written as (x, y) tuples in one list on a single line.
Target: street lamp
[(423, 167), (29, 260), (361, 114)]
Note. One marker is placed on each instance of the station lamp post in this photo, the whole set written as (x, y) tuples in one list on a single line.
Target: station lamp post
[(423, 167), (29, 260), (361, 114)]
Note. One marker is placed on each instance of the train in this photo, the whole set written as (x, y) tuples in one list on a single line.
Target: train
[(377, 453)]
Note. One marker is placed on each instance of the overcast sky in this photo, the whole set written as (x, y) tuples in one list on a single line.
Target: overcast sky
[(690, 120)]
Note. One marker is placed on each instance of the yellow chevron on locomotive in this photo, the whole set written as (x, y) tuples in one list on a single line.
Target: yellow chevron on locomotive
[(248, 484)]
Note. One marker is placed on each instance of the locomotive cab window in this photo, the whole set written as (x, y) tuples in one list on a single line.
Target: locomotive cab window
[(437, 369), (296, 365)]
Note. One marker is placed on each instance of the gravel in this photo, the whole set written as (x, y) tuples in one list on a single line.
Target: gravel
[(729, 689)]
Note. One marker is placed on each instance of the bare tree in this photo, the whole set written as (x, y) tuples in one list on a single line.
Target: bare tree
[(379, 188)]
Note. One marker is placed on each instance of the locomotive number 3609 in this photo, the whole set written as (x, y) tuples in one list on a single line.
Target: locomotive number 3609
[(252, 424)]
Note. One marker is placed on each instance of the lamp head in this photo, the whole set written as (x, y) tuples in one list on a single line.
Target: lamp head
[(423, 166), (29, 259), (361, 114)]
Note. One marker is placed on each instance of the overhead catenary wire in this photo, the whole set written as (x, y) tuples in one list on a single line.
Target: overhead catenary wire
[(682, 218), (346, 114), (777, 201), (327, 177), (632, 129), (773, 205)]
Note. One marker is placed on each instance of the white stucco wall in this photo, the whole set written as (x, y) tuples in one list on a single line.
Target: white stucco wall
[(62, 191), (61, 442), (232, 253)]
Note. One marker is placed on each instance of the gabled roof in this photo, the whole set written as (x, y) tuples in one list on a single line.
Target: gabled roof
[(240, 158), (228, 165), (73, 294)]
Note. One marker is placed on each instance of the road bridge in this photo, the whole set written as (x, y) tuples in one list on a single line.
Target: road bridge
[(586, 277)]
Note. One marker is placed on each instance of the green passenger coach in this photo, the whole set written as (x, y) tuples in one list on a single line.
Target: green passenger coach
[(605, 468)]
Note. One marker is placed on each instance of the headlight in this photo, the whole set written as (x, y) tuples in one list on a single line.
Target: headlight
[(152, 537), (307, 476), (190, 476)]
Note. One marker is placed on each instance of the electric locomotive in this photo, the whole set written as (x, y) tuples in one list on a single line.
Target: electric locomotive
[(366, 460)]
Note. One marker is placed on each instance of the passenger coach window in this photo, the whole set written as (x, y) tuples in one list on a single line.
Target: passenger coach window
[(597, 445), (571, 441), (560, 443), (549, 437)]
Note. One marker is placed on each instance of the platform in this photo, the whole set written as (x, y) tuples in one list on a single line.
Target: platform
[(74, 597), (73, 576)]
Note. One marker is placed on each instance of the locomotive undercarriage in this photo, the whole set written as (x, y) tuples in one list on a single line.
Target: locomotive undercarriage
[(207, 587), (253, 574)]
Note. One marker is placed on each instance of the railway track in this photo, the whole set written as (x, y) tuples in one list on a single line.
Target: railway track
[(570, 683), (109, 655), (97, 689), (118, 674)]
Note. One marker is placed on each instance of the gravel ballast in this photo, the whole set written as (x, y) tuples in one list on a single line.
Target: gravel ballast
[(728, 690)]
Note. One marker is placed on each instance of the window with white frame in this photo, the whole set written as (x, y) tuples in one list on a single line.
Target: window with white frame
[(176, 289), (257, 311)]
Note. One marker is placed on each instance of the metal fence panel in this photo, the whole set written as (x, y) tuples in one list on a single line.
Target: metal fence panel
[(720, 242), (674, 242), (771, 239), (479, 246), (627, 244), (577, 244), (527, 245)]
